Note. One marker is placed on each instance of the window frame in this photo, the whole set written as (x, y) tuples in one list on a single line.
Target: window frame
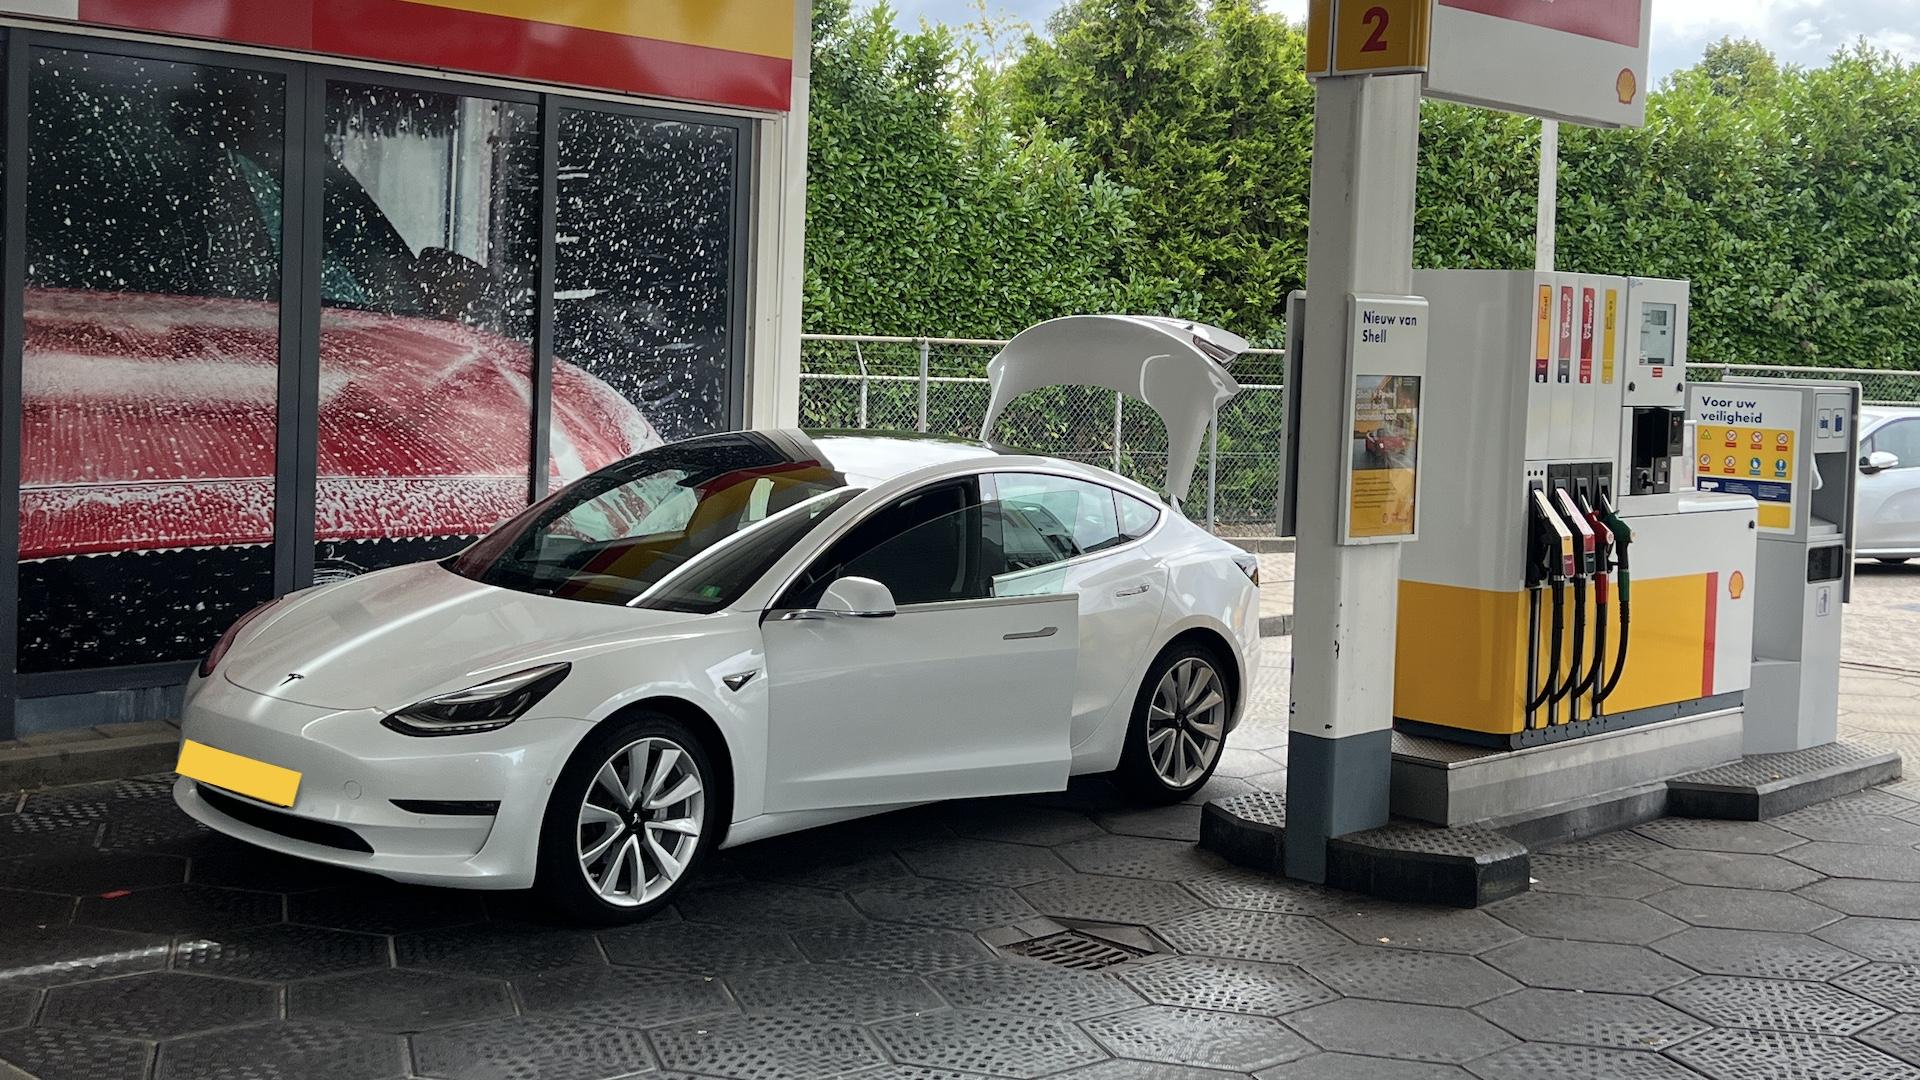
[(786, 594), (1113, 504), (1127, 543), (302, 230)]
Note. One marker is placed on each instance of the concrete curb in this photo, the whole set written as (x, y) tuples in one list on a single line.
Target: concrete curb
[(103, 753), (1276, 625)]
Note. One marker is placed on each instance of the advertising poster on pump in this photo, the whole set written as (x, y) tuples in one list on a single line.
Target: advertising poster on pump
[(1386, 432)]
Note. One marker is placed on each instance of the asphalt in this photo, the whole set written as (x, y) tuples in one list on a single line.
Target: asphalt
[(133, 943)]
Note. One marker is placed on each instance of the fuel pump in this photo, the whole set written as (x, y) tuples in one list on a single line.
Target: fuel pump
[(1559, 411)]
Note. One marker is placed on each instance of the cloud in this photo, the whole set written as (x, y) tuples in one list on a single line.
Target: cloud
[(1802, 32)]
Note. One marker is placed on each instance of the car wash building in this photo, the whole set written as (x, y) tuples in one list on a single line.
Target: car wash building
[(303, 289)]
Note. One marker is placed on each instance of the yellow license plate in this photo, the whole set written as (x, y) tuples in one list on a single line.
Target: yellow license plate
[(225, 769)]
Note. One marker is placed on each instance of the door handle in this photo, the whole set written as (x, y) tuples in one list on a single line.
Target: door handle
[(1135, 590), (1029, 635)]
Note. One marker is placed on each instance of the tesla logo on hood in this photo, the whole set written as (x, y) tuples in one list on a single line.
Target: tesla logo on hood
[(292, 677)]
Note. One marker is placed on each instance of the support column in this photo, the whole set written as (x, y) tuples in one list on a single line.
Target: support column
[(1547, 201), (1366, 136)]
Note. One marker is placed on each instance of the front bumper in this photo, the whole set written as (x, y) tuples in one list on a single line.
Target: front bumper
[(352, 770)]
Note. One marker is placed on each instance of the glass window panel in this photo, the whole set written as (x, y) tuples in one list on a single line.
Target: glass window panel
[(613, 536), (1076, 517), (1137, 518), (925, 547), (151, 356), (1902, 440), (431, 243), (643, 284)]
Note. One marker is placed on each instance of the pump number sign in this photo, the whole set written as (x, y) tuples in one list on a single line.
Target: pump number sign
[(1372, 37)]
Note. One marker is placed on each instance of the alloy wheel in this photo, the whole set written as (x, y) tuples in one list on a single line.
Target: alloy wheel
[(640, 821), (1186, 722)]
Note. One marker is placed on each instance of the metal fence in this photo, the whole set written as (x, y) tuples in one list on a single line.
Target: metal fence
[(939, 385), (1877, 387)]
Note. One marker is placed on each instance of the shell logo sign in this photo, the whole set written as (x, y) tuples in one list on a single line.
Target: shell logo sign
[(724, 52), (1583, 61)]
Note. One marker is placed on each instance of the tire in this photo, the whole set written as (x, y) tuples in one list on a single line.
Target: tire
[(1891, 561), (1149, 770), (630, 839)]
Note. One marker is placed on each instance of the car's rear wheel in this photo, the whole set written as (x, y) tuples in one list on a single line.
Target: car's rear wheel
[(1178, 728), (631, 817)]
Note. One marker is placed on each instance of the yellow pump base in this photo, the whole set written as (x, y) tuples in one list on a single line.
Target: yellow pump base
[(1461, 662)]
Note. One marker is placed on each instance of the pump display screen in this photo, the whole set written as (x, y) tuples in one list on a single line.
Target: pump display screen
[(1656, 334)]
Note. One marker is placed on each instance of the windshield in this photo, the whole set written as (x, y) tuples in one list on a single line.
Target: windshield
[(616, 534)]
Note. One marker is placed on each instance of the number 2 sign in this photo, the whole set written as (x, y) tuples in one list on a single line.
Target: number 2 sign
[(1353, 37)]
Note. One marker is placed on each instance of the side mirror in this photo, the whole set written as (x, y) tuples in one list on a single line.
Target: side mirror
[(858, 597), (1879, 460), (851, 598)]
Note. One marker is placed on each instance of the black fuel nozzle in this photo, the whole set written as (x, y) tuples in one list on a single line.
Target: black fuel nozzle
[(1549, 545)]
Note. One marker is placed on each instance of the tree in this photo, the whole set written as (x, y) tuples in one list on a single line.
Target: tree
[(920, 224), (1154, 156), (1207, 114)]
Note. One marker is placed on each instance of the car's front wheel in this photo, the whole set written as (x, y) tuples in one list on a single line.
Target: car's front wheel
[(1178, 728), (631, 817)]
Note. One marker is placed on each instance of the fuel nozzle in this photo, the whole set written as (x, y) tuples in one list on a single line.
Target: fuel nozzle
[(1623, 544), (1622, 533), (1581, 531), (1549, 545), (1550, 549), (1551, 557), (1602, 538)]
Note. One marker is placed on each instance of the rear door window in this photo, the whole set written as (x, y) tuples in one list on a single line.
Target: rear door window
[(1137, 516), (1077, 517)]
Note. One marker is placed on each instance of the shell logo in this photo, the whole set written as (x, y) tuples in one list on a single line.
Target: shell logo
[(1627, 86), (1736, 584)]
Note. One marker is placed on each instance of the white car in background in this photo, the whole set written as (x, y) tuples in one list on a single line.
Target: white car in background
[(742, 635), (1887, 496)]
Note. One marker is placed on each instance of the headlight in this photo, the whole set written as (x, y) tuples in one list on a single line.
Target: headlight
[(490, 705)]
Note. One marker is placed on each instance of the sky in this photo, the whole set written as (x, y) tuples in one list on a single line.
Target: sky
[(1797, 31)]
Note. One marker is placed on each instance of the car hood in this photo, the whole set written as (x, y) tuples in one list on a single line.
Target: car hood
[(150, 423), (391, 638)]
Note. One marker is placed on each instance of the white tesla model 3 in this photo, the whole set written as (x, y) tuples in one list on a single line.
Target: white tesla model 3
[(740, 635)]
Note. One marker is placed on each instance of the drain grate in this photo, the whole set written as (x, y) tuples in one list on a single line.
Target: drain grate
[(1073, 949)]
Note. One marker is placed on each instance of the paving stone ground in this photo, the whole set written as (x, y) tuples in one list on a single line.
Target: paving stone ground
[(134, 944)]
